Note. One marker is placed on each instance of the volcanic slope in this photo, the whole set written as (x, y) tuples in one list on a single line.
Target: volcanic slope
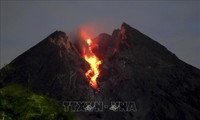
[(134, 68)]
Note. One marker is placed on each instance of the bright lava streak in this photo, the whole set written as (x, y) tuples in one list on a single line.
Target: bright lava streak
[(93, 73)]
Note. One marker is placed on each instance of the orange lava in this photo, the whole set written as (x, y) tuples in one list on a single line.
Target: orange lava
[(93, 73)]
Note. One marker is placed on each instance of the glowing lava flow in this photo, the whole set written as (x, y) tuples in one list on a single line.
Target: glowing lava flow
[(93, 73)]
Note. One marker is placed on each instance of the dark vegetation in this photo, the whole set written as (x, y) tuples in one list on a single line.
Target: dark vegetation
[(19, 103)]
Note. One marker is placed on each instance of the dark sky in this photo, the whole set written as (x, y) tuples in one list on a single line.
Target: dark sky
[(175, 25)]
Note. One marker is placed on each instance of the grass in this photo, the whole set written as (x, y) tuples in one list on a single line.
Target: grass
[(18, 103)]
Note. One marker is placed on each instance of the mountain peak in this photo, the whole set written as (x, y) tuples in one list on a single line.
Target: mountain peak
[(125, 25), (126, 29), (58, 34), (59, 38)]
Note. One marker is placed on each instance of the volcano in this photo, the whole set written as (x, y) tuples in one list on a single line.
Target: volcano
[(133, 68)]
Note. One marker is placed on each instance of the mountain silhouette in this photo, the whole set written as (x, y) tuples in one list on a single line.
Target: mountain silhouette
[(134, 68)]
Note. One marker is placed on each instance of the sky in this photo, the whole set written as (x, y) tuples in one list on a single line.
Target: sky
[(176, 25)]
